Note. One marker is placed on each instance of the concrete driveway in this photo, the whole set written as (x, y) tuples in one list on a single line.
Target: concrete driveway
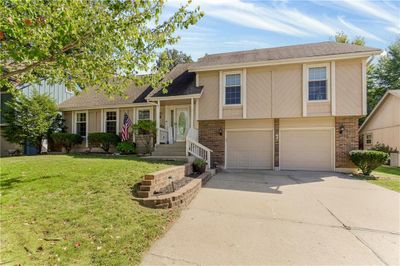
[(298, 218)]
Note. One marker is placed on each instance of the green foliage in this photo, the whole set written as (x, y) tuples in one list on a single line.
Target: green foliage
[(199, 165), (147, 130), (126, 147), (173, 57), (29, 119), (88, 43), (341, 37), (368, 160), (66, 140), (384, 148), (384, 76), (103, 140)]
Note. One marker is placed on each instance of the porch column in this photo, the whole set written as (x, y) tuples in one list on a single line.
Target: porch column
[(191, 113), (158, 121), (197, 113)]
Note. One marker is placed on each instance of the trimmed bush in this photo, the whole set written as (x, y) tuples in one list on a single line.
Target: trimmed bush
[(103, 140), (66, 140), (368, 160), (126, 147), (199, 166)]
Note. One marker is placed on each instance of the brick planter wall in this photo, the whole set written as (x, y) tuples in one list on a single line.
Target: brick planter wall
[(210, 137), (346, 141)]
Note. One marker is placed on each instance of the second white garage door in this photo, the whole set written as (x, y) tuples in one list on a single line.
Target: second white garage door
[(304, 149), (249, 149)]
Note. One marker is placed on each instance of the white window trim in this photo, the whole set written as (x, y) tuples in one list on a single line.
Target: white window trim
[(240, 72), (105, 119), (144, 109), (366, 138), (87, 125), (328, 80)]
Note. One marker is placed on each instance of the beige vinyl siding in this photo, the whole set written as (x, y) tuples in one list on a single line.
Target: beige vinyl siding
[(287, 91), (209, 101), (249, 149), (68, 121), (259, 91), (307, 122), (384, 125), (94, 121), (306, 149), (249, 124), (349, 87), (319, 109), (233, 112)]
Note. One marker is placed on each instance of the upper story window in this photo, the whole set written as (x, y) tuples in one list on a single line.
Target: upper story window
[(317, 84), (144, 114), (232, 89), (81, 124), (111, 122)]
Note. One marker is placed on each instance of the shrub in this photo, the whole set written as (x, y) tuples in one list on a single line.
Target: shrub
[(382, 147), (368, 160), (103, 140), (199, 165), (66, 140), (126, 147), (147, 130)]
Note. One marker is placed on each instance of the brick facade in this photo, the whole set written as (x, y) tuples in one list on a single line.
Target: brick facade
[(209, 136), (346, 141)]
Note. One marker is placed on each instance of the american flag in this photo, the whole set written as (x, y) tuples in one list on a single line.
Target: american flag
[(125, 127)]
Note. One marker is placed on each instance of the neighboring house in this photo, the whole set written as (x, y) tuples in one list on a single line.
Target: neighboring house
[(383, 123), (58, 92), (289, 108)]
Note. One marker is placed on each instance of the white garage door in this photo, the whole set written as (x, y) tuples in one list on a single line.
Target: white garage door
[(306, 150), (249, 149)]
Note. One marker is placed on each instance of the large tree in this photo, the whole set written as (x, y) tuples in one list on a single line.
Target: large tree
[(173, 57), (87, 43), (29, 119), (385, 75)]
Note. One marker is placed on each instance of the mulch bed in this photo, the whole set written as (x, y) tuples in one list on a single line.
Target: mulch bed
[(176, 185)]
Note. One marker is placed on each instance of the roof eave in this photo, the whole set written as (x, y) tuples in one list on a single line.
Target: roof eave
[(377, 106), (77, 108), (284, 61), (177, 97)]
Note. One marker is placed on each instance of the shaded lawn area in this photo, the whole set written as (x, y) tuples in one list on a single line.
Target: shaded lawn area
[(388, 177), (76, 210)]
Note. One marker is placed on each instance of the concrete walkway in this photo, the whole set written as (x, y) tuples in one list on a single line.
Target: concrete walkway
[(281, 218)]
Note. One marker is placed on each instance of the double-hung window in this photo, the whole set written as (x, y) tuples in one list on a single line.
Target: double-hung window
[(144, 114), (81, 124), (368, 139), (111, 122), (317, 84), (232, 89)]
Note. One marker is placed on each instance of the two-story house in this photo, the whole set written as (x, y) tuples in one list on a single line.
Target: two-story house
[(285, 108)]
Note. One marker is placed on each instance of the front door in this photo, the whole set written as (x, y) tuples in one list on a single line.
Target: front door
[(182, 123)]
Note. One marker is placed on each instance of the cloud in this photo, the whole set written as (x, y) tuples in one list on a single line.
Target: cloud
[(360, 32), (393, 29)]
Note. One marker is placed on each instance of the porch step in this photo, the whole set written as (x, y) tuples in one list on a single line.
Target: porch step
[(168, 158), (176, 149)]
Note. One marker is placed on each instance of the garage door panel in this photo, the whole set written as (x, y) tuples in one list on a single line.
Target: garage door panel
[(303, 149), (249, 149)]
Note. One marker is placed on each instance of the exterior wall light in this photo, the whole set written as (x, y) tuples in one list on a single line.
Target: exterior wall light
[(220, 131), (341, 129)]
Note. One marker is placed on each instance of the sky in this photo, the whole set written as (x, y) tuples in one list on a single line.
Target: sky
[(235, 25)]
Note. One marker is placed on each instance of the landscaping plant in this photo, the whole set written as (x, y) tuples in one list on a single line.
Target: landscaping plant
[(126, 147), (66, 140), (368, 160), (103, 140), (199, 166), (147, 131)]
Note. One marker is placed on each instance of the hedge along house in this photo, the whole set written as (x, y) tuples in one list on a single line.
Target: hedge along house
[(289, 108)]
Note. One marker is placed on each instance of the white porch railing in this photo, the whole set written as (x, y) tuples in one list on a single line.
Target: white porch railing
[(193, 147), (163, 135)]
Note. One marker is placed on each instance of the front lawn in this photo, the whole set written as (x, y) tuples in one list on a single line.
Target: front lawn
[(388, 177), (75, 210)]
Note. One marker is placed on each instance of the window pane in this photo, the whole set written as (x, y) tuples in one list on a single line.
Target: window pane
[(232, 80), (111, 127), (317, 90), (317, 73), (81, 129), (232, 95), (111, 116), (81, 117), (144, 114)]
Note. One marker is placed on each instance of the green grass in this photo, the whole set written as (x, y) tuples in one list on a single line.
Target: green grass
[(76, 210), (388, 177)]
